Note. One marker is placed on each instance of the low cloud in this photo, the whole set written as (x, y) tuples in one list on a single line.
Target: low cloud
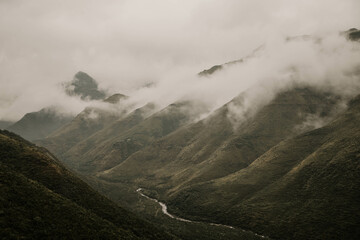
[(153, 50)]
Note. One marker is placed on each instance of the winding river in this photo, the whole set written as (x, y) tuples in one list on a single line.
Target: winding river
[(165, 211)]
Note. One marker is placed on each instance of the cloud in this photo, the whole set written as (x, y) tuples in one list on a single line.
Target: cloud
[(127, 44)]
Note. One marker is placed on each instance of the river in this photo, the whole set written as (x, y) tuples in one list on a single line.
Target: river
[(165, 211)]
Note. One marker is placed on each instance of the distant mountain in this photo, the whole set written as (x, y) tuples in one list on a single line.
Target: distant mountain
[(37, 125), (84, 86), (86, 123), (116, 142), (107, 146), (213, 69), (5, 124), (353, 34), (40, 199)]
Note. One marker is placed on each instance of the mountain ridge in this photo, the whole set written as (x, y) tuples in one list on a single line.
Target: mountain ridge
[(37, 125), (84, 86)]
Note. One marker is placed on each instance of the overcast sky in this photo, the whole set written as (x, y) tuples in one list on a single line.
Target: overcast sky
[(125, 44)]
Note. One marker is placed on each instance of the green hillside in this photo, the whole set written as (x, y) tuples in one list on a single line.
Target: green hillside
[(119, 140), (306, 187), (40, 199), (86, 123), (213, 148)]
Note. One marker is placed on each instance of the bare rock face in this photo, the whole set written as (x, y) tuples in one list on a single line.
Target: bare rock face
[(84, 86)]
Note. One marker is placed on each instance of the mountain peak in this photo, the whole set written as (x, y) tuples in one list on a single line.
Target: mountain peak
[(353, 34), (115, 98), (85, 86)]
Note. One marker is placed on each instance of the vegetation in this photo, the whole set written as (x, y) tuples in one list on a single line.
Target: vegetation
[(287, 169), (306, 187), (42, 199), (113, 144), (264, 194), (272, 174), (37, 125)]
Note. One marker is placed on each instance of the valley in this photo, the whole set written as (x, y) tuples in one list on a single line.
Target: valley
[(164, 210), (280, 159)]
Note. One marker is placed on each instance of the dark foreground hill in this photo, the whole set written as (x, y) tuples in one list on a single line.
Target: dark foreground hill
[(40, 199)]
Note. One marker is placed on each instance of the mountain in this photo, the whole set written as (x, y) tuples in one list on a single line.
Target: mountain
[(353, 34), (84, 86), (37, 125), (305, 187), (215, 68), (285, 168), (116, 142), (213, 147), (4, 124), (40, 199), (86, 123), (115, 98), (89, 154), (273, 175), (244, 176)]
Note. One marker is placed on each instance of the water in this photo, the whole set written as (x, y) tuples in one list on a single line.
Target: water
[(165, 211)]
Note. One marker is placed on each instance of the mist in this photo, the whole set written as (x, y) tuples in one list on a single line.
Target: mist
[(153, 50)]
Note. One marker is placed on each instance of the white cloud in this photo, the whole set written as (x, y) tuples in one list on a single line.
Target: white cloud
[(126, 44)]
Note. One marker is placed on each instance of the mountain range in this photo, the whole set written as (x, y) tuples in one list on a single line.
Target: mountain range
[(40, 124), (267, 170), (286, 168)]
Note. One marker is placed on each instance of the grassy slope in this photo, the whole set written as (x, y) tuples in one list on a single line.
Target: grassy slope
[(37, 125), (211, 148), (180, 164), (41, 199), (85, 124), (306, 187), (151, 211), (4, 124), (114, 144), (81, 127)]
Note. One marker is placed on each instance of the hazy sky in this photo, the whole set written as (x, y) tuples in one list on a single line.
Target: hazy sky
[(125, 44)]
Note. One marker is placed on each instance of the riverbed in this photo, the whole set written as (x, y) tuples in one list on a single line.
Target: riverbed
[(165, 212)]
